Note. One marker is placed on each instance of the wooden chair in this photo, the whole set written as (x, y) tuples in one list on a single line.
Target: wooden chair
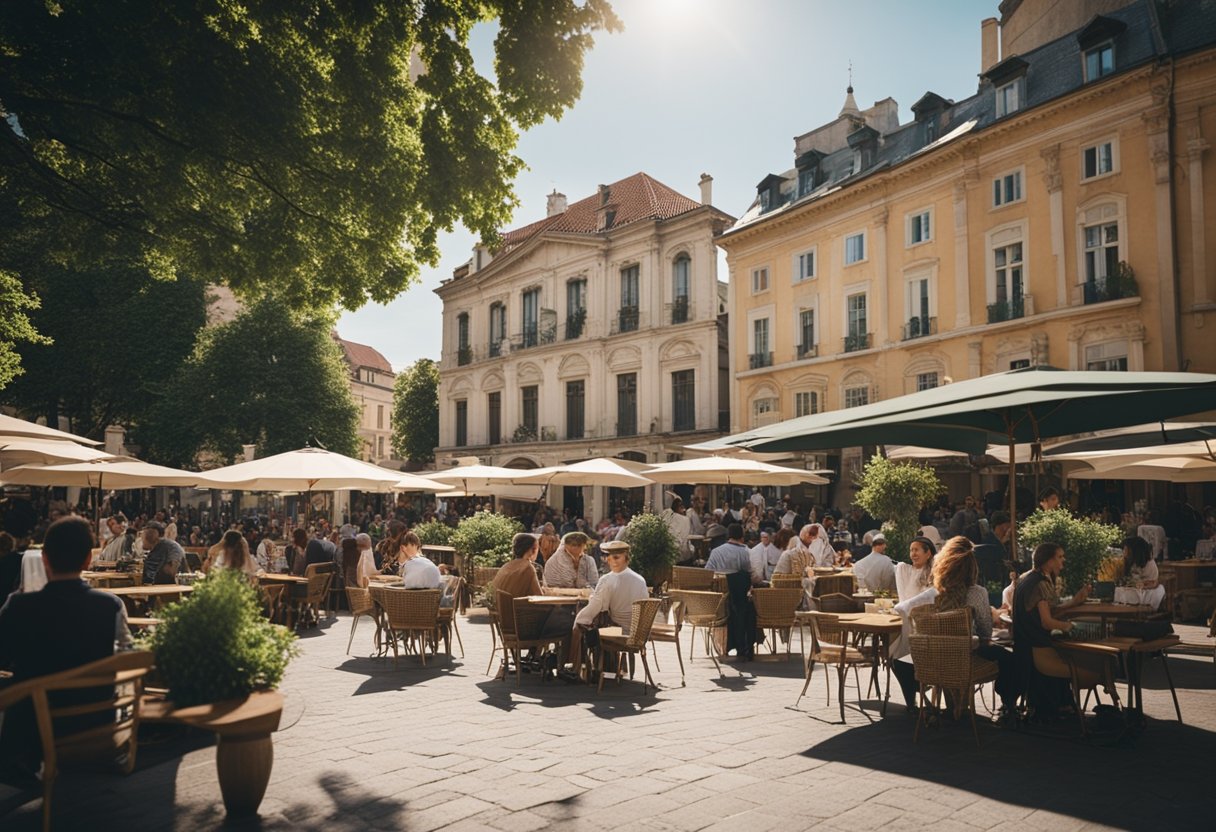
[(692, 577), (361, 604), (520, 624), (1199, 648), (641, 619), (122, 672), (411, 617), (707, 610), (324, 568), (775, 609), (451, 588), (946, 663), (663, 633), (829, 646)]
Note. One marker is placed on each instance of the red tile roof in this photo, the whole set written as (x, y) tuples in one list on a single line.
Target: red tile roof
[(634, 198), (361, 355)]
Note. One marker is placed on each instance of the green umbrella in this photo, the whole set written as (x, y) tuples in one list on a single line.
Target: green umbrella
[(1027, 405)]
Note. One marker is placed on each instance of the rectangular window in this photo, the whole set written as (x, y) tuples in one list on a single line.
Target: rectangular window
[(627, 404), (683, 401), (531, 310), (856, 396), (1019, 363), (920, 321), (380, 417), (857, 315), (494, 411), (1007, 261), (574, 409), (918, 228), (498, 327), (630, 299), (462, 330), (764, 412), (1099, 61), (1099, 159), (806, 403), (1109, 356), (681, 284), (806, 333), (806, 182), (1006, 189), (1009, 98), (576, 307), (926, 381), (854, 248), (804, 266), (760, 336), (530, 398), (1101, 252), (462, 423), (759, 280)]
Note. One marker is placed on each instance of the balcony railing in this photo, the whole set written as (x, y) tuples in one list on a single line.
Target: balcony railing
[(1109, 288), (807, 351), (464, 355), (534, 336), (627, 320), (919, 327), (497, 348), (575, 323), (681, 313), (1008, 310), (759, 359), (627, 428), (856, 342)]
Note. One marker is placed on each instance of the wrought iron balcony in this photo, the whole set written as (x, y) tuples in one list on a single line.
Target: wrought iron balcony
[(681, 312), (575, 323), (1108, 288), (759, 359), (856, 342), (919, 327), (1007, 310), (464, 355), (497, 348), (627, 320), (807, 351)]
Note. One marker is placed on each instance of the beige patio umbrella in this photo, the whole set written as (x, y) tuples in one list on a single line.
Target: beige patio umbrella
[(721, 470), (118, 473), (1166, 468), (11, 426), (21, 451), (311, 469), (1102, 460), (601, 471), (475, 479)]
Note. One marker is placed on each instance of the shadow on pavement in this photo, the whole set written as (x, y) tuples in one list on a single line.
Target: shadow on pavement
[(384, 676)]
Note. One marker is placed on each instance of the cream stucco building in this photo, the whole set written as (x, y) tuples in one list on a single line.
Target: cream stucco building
[(371, 380), (596, 331), (1062, 215)]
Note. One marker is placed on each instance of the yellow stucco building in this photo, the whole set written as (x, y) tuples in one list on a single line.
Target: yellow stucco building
[(1063, 215)]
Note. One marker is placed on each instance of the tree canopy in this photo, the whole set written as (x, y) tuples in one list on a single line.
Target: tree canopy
[(268, 377), (295, 150), (416, 411), (117, 339)]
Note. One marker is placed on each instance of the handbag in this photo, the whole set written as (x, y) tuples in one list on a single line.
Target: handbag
[(1143, 630)]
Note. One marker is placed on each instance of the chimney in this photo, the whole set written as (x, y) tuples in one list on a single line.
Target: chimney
[(116, 437), (605, 192), (250, 451), (707, 189), (989, 44), (557, 204)]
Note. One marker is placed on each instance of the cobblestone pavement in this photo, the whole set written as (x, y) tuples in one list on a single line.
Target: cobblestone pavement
[(364, 745)]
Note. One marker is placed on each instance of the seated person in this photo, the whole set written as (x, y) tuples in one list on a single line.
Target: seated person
[(1140, 570), (121, 544), (233, 553), (64, 625), (164, 558), (876, 571), (366, 567), (517, 577), (294, 553), (417, 571), (569, 567), (613, 598)]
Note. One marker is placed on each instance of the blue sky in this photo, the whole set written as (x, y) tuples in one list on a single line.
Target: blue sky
[(714, 86)]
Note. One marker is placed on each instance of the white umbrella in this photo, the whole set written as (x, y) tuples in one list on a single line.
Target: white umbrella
[(720, 470), (22, 451), (11, 426), (310, 469), (1099, 460), (116, 473), (478, 479), (614, 473), (1167, 468)]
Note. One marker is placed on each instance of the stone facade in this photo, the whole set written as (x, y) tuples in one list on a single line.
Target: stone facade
[(371, 384)]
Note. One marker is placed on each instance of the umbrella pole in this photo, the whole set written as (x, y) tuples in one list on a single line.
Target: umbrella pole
[(1013, 500)]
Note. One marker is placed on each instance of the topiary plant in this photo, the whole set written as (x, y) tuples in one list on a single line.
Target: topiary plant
[(1086, 543), (895, 491), (652, 547), (486, 538), (215, 644), (434, 533)]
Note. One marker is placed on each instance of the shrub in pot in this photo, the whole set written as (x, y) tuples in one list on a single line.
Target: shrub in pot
[(216, 645), (895, 491), (434, 533), (486, 538), (652, 547), (1086, 543)]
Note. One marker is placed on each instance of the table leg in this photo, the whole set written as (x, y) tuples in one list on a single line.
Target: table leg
[(886, 660), (243, 764)]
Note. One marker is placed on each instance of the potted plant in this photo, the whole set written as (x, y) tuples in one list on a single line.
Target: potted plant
[(485, 538), (652, 547), (216, 645), (896, 491), (434, 533), (1086, 543)]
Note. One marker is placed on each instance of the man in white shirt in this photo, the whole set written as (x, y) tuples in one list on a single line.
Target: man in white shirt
[(764, 556), (813, 540), (876, 570), (680, 527), (417, 572), (614, 594)]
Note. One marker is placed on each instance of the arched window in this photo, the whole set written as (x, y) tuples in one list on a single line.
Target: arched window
[(681, 276)]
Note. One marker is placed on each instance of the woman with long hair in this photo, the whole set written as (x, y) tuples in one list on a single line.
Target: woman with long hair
[(915, 577), (233, 553), (1140, 571), (390, 547)]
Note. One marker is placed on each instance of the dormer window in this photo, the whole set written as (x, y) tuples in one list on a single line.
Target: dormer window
[(764, 201), (1009, 98), (1097, 44), (769, 192), (1099, 61), (806, 182), (1009, 80)]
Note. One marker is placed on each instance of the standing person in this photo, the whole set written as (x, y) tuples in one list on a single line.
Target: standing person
[(170, 525), (680, 526), (164, 558), (733, 558), (966, 521)]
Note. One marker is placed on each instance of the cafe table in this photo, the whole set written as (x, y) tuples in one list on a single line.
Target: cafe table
[(1105, 611), (105, 579), (880, 626), (1135, 652), (156, 594), (282, 578)]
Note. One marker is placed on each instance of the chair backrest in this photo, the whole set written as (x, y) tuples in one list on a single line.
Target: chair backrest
[(272, 595), (942, 660), (194, 562), (529, 618), (701, 607), (120, 676), (826, 629), (360, 599), (505, 608), (837, 602), (691, 577), (833, 585), (777, 604), (318, 586), (783, 581), (484, 575), (319, 569), (449, 586), (411, 609), (928, 621), (640, 622)]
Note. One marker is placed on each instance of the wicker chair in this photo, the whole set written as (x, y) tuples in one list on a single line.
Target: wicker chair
[(837, 602), (946, 663), (775, 608), (786, 581), (669, 634), (316, 594), (451, 587), (829, 646), (640, 622), (692, 577), (520, 624), (272, 600), (707, 610), (833, 585), (122, 672), (361, 604), (411, 616), (483, 579)]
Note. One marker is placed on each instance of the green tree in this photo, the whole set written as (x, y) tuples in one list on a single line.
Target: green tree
[(285, 149), (117, 337), (895, 492), (16, 306), (416, 411), (268, 377)]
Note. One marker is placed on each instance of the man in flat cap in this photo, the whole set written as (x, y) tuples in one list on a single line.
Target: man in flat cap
[(613, 596)]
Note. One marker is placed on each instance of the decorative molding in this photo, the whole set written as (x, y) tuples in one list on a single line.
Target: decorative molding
[(1052, 177)]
